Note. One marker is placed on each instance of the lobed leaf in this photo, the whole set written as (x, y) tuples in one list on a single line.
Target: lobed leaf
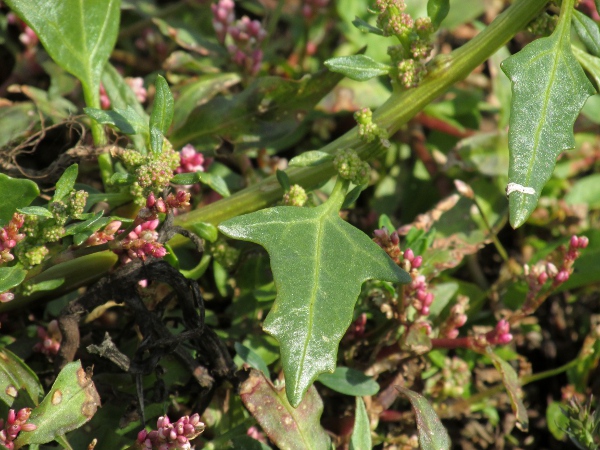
[(72, 401), (432, 434), (357, 67), (512, 384), (289, 428), (78, 35), (549, 89), (319, 263)]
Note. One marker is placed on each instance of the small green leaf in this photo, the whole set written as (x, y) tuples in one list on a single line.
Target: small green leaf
[(22, 193), (185, 179), (284, 180), (437, 10), (11, 277), (511, 382), (162, 111), (549, 89), (361, 434), (288, 427), (590, 63), (66, 182), (35, 211), (49, 285), (310, 158), (366, 27), (121, 179), (206, 231), (215, 182), (319, 263), (357, 67), (120, 118), (72, 401), (17, 378), (78, 35), (588, 32), (92, 224), (250, 357), (349, 382), (432, 434), (353, 195), (156, 140), (557, 420)]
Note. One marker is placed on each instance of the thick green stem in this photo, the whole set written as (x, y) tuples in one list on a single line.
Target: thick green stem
[(92, 99), (393, 114)]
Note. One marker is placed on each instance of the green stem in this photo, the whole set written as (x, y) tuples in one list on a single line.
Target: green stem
[(393, 114), (92, 99), (493, 236)]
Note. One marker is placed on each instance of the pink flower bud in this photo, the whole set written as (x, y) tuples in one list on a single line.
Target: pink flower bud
[(583, 242), (562, 276), (417, 262), (11, 417), (28, 427), (142, 435), (574, 243), (542, 278), (409, 255)]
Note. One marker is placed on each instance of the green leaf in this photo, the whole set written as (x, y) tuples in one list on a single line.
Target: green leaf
[(206, 231), (71, 402), (319, 263), (22, 193), (284, 180), (16, 378), (557, 420), (511, 382), (591, 64), (432, 434), (49, 285), (11, 277), (156, 140), (122, 119), (121, 179), (250, 357), (266, 114), (162, 111), (349, 381), (366, 27), (288, 427), (215, 182), (310, 158), (361, 434), (66, 182), (35, 211), (78, 35), (357, 67), (588, 32), (437, 10), (549, 89)]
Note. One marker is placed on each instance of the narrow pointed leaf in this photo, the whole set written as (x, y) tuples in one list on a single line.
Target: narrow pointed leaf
[(432, 434), (361, 434), (16, 379), (162, 111), (549, 89), (512, 384), (588, 32), (289, 428), (72, 401), (357, 67), (66, 182), (78, 35), (319, 264)]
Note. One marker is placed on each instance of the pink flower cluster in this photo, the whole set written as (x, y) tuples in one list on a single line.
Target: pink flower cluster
[(500, 335), (137, 86), (103, 236), (10, 236), (140, 243), (190, 160), (15, 423), (171, 436), (456, 319), (418, 294), (50, 339), (388, 242), (155, 206), (246, 36)]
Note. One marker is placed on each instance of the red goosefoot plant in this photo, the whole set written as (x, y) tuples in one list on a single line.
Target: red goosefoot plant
[(299, 225)]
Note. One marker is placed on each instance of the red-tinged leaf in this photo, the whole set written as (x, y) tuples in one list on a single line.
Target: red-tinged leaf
[(290, 428), (432, 434), (513, 387)]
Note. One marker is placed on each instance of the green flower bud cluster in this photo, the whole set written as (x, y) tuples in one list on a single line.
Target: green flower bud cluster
[(40, 231), (296, 196), (450, 381), (224, 254), (152, 173), (583, 427), (543, 25), (415, 38), (367, 130), (350, 167)]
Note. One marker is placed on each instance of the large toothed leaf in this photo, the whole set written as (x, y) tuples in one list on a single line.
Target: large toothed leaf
[(549, 89), (289, 428), (72, 401), (319, 263), (79, 35)]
